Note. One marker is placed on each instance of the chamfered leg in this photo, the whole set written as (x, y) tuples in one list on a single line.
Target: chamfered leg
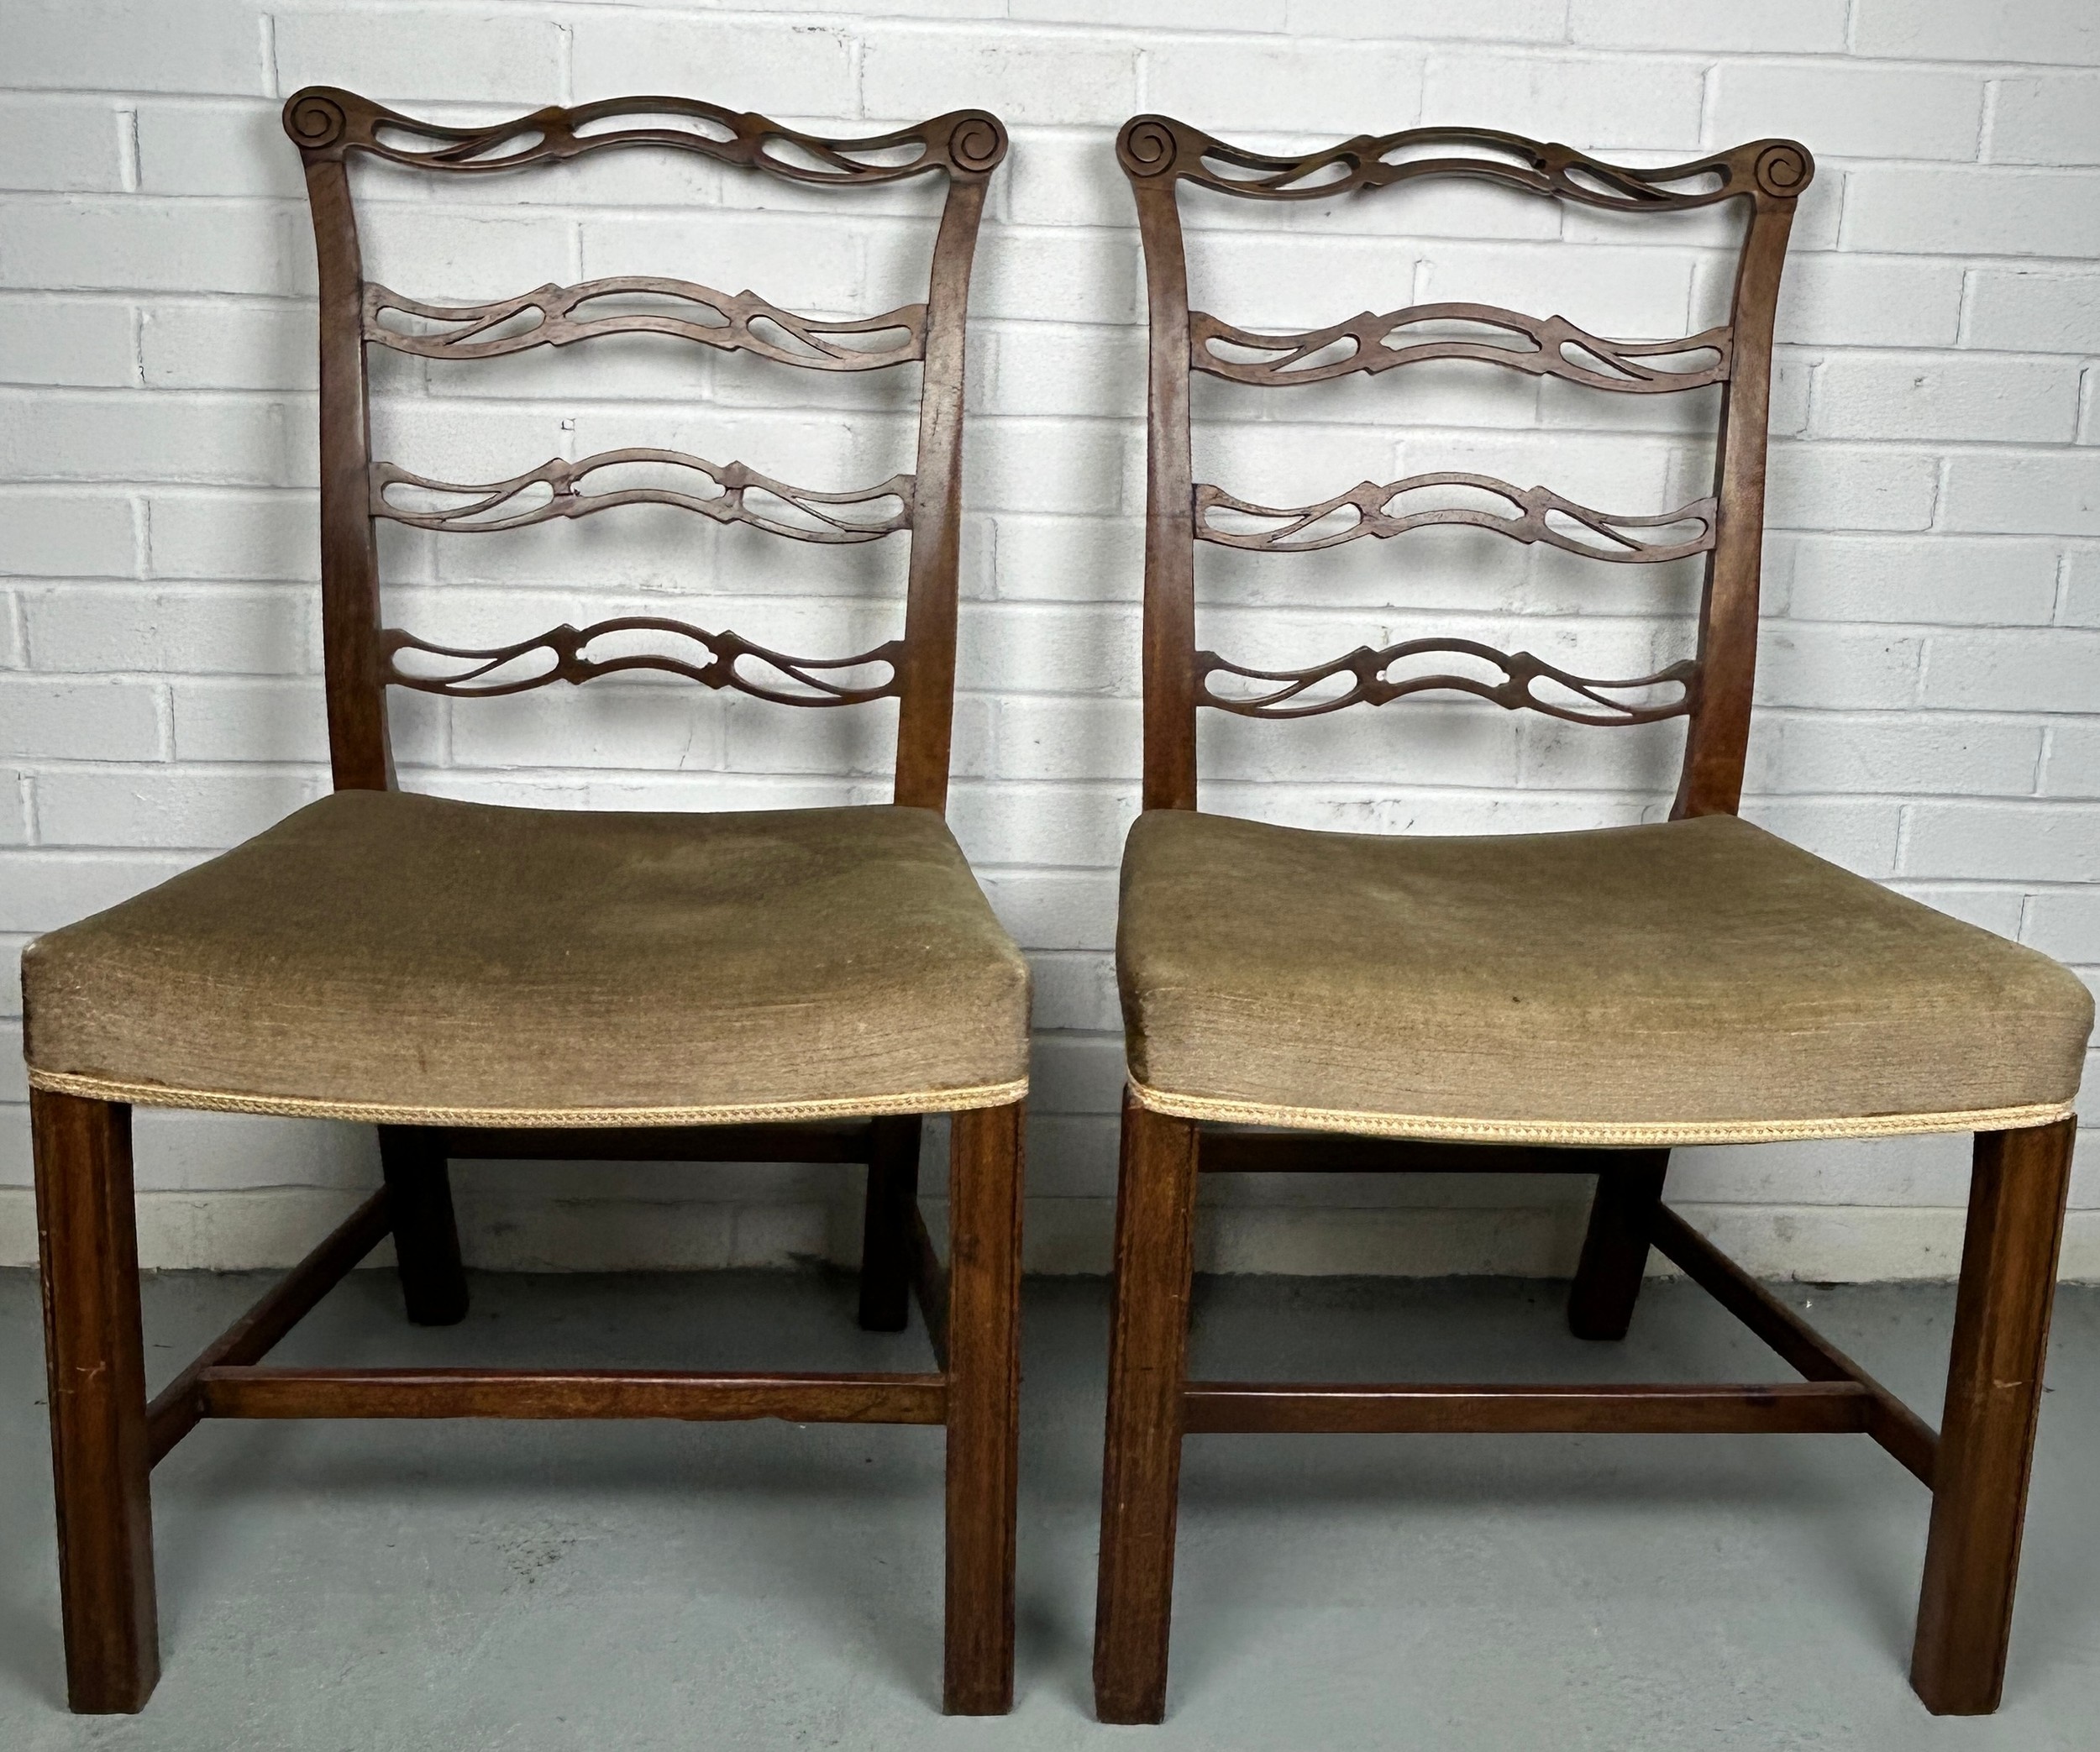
[(1987, 1438), (885, 1241), (1615, 1247), (984, 1407), (88, 1243), (1148, 1342), (426, 1234)]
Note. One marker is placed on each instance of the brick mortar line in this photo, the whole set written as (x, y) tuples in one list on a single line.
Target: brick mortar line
[(1566, 48)]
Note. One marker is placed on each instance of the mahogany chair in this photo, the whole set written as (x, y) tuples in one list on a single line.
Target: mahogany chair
[(480, 981), (1576, 1002)]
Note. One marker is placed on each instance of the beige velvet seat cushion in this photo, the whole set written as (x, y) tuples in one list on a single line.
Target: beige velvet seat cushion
[(1696, 980), (383, 954)]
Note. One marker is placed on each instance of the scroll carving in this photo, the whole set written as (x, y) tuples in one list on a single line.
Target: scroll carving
[(747, 323), (512, 504), (563, 649), (324, 122), (1766, 171), (1541, 515), (1588, 699), (1558, 349)]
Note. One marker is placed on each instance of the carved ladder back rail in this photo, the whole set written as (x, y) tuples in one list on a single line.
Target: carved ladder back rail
[(1712, 689), (364, 658)]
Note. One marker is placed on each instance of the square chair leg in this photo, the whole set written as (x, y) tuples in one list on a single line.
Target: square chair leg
[(87, 1242), (1987, 1438), (1140, 1479), (434, 1283), (983, 1408), (886, 1232), (1615, 1247)]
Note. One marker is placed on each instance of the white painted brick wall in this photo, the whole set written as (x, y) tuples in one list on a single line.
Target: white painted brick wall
[(1930, 676)]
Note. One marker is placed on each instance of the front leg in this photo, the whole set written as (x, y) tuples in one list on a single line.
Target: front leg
[(88, 1243), (2016, 1195), (1148, 1358), (984, 1407)]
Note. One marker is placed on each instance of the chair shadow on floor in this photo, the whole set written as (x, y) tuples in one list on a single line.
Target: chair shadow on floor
[(791, 1489), (1855, 1525)]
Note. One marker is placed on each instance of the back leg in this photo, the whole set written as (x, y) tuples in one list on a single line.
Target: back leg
[(886, 1238), (426, 1234), (1615, 1249)]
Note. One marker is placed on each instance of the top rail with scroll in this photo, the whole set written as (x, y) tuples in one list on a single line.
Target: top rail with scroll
[(1712, 689), (362, 656)]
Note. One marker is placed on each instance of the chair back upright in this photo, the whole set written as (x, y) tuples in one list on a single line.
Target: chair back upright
[(1711, 689), (364, 657)]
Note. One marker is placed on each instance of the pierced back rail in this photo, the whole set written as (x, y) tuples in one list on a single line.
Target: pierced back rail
[(1712, 689), (364, 658)]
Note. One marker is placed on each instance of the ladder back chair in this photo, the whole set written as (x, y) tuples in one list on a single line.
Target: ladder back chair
[(491, 982), (1575, 1002)]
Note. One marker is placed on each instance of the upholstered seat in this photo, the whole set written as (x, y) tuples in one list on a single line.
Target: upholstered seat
[(1691, 981), (382, 955)]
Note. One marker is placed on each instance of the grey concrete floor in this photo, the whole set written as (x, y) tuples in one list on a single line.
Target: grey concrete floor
[(360, 1587)]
